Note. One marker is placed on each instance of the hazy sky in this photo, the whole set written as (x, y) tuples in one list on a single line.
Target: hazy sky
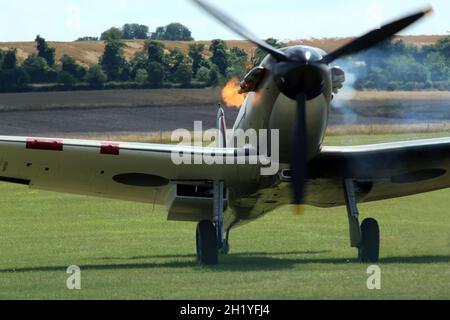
[(66, 20)]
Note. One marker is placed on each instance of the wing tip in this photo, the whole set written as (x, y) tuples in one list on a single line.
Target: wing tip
[(428, 11)]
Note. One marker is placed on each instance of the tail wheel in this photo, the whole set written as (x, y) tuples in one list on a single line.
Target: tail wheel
[(207, 251), (369, 249)]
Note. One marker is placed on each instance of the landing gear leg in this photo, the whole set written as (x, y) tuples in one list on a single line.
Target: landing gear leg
[(365, 237), (226, 244), (218, 207), (211, 234)]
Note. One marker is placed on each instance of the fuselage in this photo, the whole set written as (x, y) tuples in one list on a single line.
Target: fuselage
[(268, 108)]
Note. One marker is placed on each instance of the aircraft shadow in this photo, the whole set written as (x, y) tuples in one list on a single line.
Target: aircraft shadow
[(238, 262), (251, 254)]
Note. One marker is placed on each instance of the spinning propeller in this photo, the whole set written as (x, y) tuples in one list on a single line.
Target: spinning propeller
[(300, 76)]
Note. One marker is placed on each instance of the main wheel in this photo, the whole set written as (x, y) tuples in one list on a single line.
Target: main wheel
[(207, 251), (369, 249)]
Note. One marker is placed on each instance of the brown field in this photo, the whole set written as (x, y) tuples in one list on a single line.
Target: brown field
[(207, 96), (386, 97), (108, 99), (395, 105), (88, 52), (368, 129), (135, 115)]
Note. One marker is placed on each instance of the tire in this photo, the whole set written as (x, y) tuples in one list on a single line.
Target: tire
[(369, 250), (207, 251)]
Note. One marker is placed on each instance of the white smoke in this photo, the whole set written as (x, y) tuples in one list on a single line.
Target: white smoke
[(341, 100)]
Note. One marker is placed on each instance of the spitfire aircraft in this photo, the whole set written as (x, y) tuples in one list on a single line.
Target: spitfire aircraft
[(290, 91)]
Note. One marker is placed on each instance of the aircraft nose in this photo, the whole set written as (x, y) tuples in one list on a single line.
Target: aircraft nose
[(293, 79)]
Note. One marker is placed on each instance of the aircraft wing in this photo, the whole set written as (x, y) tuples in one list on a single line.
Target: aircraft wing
[(127, 171), (380, 171)]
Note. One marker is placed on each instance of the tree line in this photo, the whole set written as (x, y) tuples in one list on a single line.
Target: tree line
[(394, 65), (136, 31), (390, 66), (154, 67)]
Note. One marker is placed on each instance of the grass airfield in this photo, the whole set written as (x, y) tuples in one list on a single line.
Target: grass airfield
[(129, 251)]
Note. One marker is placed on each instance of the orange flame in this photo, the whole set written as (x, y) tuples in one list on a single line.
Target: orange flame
[(231, 95)]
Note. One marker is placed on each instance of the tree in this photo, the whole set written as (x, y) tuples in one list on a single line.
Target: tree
[(238, 63), (443, 48), (203, 75), (128, 31), (9, 59), (141, 76), (183, 72), (134, 31), (70, 66), (436, 64), (172, 32), (196, 54), (378, 77), (125, 72), (142, 32), (159, 34), (156, 74), (214, 76), (87, 39), (175, 57), (219, 50), (13, 79), (405, 69), (2, 54), (113, 59), (261, 54), (178, 32), (380, 54), (96, 77), (394, 65), (173, 60), (37, 68), (155, 51), (66, 79), (139, 62), (237, 53), (44, 51), (111, 34), (180, 67)]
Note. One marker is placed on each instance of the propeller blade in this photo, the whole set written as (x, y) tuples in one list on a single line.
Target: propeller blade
[(374, 37), (299, 152), (240, 29)]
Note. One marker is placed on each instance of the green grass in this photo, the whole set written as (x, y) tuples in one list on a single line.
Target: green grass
[(130, 251)]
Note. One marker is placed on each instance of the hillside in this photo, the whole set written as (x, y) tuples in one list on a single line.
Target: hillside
[(88, 53)]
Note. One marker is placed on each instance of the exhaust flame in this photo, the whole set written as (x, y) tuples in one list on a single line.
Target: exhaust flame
[(231, 95)]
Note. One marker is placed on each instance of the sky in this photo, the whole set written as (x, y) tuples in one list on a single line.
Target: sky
[(66, 20)]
